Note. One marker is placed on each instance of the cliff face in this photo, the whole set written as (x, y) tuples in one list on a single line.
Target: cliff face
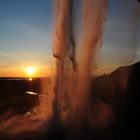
[(116, 97)]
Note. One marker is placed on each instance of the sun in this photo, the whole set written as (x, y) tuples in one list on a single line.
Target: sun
[(30, 71)]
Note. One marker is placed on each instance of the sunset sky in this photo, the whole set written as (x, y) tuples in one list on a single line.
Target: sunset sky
[(26, 30)]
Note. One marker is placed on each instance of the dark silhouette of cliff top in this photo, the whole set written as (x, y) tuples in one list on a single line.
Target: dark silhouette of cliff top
[(120, 90), (114, 85)]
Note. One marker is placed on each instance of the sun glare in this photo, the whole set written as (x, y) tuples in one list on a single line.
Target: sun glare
[(30, 71)]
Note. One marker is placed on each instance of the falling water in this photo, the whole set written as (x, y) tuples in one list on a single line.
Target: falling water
[(67, 100), (73, 77)]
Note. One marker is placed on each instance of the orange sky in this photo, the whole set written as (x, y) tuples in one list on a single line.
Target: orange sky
[(45, 71), (21, 71), (26, 37)]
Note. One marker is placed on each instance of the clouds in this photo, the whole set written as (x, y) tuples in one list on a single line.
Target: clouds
[(25, 32), (22, 43), (121, 38), (14, 64), (26, 28), (7, 59)]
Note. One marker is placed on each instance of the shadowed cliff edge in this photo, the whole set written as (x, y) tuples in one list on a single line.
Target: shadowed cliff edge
[(115, 98)]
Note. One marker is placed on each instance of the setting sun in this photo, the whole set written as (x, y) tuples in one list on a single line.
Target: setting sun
[(30, 71)]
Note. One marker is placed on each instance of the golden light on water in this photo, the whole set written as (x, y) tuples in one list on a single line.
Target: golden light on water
[(30, 79)]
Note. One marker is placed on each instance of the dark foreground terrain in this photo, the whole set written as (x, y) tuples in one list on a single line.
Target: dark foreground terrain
[(114, 103), (13, 94), (120, 90)]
